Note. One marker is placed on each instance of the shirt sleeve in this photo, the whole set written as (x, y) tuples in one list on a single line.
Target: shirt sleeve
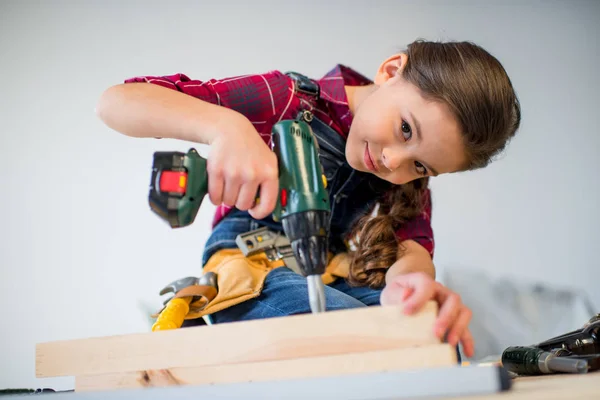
[(262, 98), (419, 228)]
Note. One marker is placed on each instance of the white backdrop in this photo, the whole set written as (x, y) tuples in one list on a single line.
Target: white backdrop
[(82, 255)]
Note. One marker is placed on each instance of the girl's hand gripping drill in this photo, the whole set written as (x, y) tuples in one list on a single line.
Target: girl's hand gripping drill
[(181, 181)]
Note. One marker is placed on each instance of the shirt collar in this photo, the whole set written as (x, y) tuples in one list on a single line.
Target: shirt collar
[(333, 92)]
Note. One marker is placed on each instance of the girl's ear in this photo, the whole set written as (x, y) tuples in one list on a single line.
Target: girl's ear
[(391, 68)]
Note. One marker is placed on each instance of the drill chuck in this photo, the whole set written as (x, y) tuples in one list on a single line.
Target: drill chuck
[(307, 232)]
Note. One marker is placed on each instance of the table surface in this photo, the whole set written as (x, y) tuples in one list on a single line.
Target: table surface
[(545, 387), (549, 387)]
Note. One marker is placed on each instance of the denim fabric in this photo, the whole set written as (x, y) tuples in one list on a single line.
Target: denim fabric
[(286, 293)]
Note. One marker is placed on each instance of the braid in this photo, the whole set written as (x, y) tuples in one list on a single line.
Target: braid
[(377, 245)]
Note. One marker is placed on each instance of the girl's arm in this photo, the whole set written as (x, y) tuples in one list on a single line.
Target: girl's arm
[(415, 258), (146, 110), (214, 112)]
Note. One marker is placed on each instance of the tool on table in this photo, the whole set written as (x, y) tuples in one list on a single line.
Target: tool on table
[(185, 291), (574, 352), (527, 360), (578, 342), (179, 183)]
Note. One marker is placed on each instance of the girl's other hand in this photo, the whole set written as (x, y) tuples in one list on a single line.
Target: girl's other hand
[(239, 165), (413, 290)]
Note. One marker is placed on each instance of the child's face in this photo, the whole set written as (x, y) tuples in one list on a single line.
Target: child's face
[(399, 136)]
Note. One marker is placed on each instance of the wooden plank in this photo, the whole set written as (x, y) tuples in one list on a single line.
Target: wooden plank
[(306, 335), (441, 382), (437, 355)]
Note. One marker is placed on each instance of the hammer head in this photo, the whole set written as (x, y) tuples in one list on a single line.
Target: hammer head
[(179, 284)]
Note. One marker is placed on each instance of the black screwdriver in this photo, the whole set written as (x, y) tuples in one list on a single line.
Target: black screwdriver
[(523, 360)]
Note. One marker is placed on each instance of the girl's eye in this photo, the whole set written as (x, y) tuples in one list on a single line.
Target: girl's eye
[(421, 170), (406, 130)]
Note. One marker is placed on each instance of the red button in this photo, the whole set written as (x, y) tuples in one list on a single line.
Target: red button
[(173, 181), (283, 197)]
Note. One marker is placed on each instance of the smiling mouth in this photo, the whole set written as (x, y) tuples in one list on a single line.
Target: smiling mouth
[(369, 160)]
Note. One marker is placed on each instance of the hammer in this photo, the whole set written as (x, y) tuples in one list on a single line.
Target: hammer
[(186, 291)]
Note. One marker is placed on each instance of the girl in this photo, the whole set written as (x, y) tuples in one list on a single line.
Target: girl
[(435, 108)]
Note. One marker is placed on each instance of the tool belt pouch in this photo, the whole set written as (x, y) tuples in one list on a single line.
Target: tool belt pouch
[(241, 278)]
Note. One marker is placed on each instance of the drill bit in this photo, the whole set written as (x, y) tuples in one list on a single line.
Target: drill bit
[(307, 232), (316, 293), (565, 364)]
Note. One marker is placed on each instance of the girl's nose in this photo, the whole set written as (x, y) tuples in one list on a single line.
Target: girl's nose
[(395, 160), (391, 159)]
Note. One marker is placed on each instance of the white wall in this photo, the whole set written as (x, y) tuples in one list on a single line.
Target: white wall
[(81, 250)]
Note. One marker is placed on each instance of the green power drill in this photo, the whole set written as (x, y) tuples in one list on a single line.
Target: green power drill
[(179, 184)]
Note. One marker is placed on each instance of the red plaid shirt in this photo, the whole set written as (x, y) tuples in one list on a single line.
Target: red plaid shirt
[(270, 97)]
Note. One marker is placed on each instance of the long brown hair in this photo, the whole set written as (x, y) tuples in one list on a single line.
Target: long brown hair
[(478, 91)]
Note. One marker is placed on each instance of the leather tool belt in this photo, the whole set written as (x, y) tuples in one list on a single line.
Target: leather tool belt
[(240, 273)]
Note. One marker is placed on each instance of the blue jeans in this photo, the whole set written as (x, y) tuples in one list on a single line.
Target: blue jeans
[(286, 293)]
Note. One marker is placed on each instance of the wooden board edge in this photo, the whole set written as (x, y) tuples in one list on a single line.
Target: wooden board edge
[(307, 335), (439, 355)]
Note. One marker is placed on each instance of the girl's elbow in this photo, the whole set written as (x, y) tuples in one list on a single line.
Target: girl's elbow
[(111, 105), (105, 104)]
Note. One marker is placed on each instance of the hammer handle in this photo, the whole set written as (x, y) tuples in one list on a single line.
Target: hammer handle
[(173, 315)]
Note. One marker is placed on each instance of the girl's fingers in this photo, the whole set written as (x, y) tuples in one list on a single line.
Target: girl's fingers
[(422, 289), (447, 315), (231, 191), (407, 293), (468, 343), (215, 189), (442, 293), (268, 199), (247, 196), (460, 326), (391, 295)]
